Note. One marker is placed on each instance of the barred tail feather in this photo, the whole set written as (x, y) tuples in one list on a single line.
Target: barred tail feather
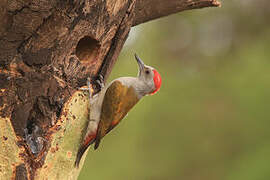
[(81, 151)]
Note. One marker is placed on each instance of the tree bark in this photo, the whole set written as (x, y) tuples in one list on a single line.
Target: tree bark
[(47, 50)]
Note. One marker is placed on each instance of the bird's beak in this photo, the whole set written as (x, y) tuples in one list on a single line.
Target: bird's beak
[(140, 63)]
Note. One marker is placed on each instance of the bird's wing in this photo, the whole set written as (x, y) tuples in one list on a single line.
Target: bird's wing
[(118, 100)]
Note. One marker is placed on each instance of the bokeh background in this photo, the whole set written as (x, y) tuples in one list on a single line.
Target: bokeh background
[(211, 118)]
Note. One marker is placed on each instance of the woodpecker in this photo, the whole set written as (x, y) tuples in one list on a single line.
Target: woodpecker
[(114, 101)]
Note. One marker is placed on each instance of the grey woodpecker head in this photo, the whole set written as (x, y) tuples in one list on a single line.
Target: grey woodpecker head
[(149, 76)]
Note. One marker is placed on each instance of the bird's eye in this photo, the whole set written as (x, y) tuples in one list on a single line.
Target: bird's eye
[(147, 71)]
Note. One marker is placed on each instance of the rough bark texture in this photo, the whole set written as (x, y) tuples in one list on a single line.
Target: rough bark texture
[(47, 50)]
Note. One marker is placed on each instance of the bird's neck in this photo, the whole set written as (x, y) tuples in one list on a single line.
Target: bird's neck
[(139, 86)]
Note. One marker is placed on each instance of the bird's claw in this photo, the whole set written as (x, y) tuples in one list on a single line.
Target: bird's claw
[(89, 87), (100, 81), (83, 89)]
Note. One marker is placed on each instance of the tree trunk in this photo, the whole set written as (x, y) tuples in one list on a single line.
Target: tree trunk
[(47, 50)]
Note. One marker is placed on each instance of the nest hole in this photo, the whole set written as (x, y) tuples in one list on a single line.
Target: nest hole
[(87, 49)]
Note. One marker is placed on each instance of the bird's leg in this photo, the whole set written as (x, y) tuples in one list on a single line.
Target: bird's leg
[(89, 88)]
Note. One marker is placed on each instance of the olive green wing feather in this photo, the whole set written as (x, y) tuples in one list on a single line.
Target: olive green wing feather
[(118, 100)]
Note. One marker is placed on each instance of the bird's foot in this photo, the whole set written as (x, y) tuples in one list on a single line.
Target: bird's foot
[(100, 81), (89, 87), (94, 87)]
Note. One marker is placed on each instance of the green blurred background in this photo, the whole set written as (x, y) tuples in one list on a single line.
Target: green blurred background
[(211, 118)]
